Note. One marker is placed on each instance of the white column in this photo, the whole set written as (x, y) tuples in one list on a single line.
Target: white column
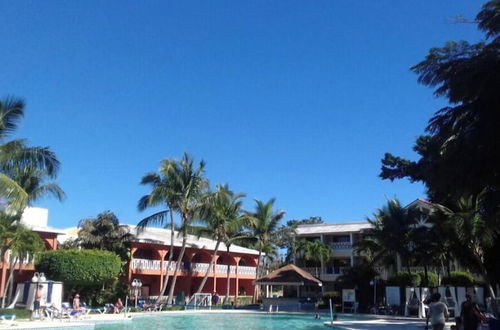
[(352, 250)]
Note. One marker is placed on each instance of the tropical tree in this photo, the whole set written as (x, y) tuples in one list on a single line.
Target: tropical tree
[(15, 154), (24, 245), (470, 234), (263, 224), (105, 233), (221, 215), (163, 191), (187, 187), (315, 251), (460, 154), (390, 236), (286, 236)]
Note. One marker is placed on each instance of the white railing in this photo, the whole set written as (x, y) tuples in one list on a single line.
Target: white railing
[(146, 264), (221, 269), (246, 270), (199, 267), (341, 245)]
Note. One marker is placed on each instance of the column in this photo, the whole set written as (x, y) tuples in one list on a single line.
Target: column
[(352, 251), (214, 273), (132, 251), (162, 254), (237, 280)]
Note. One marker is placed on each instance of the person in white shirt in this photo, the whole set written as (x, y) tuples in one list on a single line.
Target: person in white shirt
[(438, 312)]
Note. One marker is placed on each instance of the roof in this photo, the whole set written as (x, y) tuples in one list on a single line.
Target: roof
[(42, 229), (162, 236), (328, 228), (288, 275)]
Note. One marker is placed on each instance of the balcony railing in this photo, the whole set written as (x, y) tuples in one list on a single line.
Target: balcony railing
[(341, 245), (317, 271), (199, 267)]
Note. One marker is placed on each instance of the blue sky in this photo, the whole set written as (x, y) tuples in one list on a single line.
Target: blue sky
[(296, 100)]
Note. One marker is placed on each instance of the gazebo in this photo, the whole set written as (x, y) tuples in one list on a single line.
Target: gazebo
[(289, 275)]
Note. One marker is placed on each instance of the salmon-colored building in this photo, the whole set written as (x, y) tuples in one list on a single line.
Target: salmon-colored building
[(150, 252), (35, 219)]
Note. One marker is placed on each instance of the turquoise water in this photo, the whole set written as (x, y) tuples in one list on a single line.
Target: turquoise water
[(219, 321)]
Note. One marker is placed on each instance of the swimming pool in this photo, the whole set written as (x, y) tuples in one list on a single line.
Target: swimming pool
[(218, 321)]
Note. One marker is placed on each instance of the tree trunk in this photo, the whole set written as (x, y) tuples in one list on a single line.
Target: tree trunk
[(9, 282), (257, 271), (170, 256), (228, 281), (210, 265), (177, 266)]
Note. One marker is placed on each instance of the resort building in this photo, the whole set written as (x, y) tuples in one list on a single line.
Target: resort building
[(150, 252), (37, 220), (342, 238)]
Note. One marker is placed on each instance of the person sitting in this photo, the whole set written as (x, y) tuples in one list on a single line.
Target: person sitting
[(77, 308), (118, 306)]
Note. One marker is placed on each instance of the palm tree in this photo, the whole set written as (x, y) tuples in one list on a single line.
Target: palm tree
[(16, 154), (105, 233), (220, 214), (186, 186), (390, 236), (470, 233), (23, 245), (235, 233), (163, 192), (263, 223), (190, 186), (315, 251)]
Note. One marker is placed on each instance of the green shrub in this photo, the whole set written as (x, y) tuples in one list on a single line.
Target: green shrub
[(405, 279), (432, 280), (81, 268), (458, 278)]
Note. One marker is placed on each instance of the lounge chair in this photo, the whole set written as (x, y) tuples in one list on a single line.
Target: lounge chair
[(8, 319), (88, 310)]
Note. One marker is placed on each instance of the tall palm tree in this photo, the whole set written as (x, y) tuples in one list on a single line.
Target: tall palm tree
[(390, 236), (263, 223), (16, 154), (235, 233), (186, 186), (470, 232), (163, 192), (220, 215), (315, 251), (190, 186), (105, 233), (24, 245)]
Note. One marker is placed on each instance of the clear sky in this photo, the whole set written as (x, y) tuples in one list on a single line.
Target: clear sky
[(297, 100)]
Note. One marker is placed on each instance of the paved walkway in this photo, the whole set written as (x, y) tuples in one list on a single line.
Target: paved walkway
[(381, 324)]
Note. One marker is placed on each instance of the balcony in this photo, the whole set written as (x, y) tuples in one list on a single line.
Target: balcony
[(318, 272), (341, 245), (197, 267)]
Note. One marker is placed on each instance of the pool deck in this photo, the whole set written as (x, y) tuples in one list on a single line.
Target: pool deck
[(382, 323), (88, 321)]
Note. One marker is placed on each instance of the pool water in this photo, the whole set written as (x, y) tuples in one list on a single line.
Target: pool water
[(218, 321)]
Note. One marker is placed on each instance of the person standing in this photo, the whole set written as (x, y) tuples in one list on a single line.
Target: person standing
[(438, 312), (37, 302), (215, 299), (470, 314)]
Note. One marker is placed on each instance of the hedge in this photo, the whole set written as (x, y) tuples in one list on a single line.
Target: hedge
[(405, 279), (79, 267), (458, 278), (432, 280)]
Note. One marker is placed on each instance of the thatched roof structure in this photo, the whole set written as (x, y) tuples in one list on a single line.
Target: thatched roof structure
[(288, 275)]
